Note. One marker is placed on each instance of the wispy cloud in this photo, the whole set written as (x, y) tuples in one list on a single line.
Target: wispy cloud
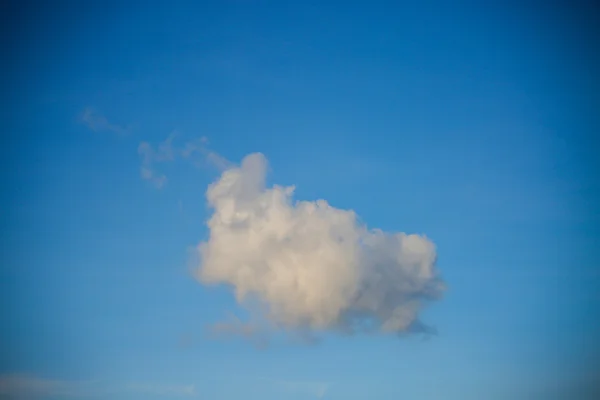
[(198, 153), (150, 157), (29, 386), (97, 122), (195, 151)]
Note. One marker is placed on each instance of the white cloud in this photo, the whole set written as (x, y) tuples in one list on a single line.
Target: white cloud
[(313, 267), (98, 122), (194, 151)]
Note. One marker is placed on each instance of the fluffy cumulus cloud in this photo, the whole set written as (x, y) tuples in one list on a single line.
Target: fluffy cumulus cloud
[(311, 266)]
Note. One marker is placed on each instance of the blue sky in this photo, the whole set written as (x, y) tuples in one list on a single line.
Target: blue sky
[(472, 126)]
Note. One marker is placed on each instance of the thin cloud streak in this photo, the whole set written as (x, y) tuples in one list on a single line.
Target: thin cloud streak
[(97, 122), (150, 157), (195, 151), (199, 154)]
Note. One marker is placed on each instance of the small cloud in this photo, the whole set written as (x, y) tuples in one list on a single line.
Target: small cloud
[(97, 122), (150, 157), (198, 152), (194, 151)]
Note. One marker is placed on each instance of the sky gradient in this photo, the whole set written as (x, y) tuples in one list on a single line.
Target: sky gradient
[(474, 126)]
